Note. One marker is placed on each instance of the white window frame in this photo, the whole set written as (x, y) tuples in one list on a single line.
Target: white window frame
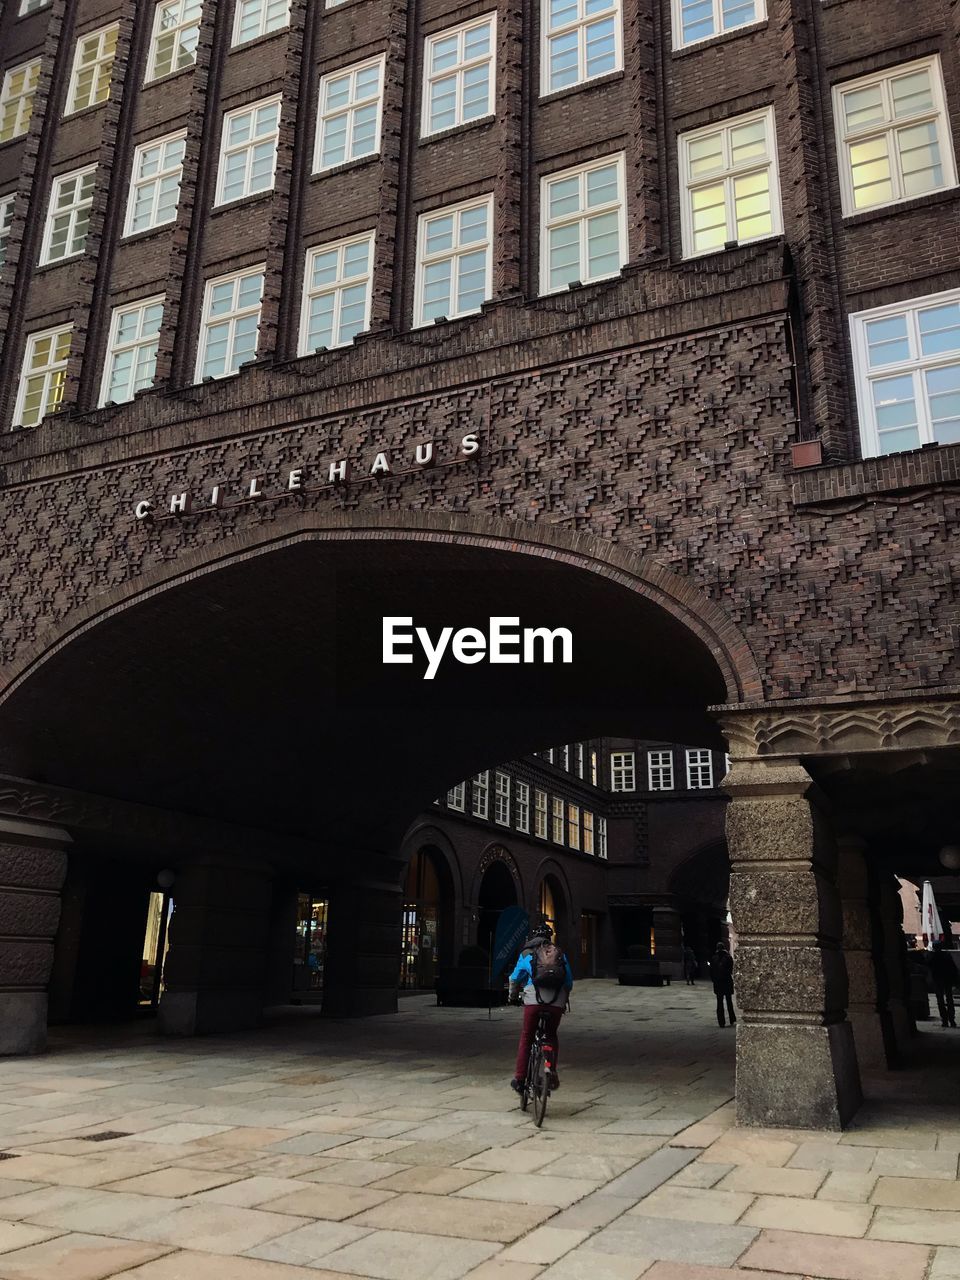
[(566, 757), (457, 797), (699, 759), (623, 769), (177, 31), (889, 127), (727, 176), (207, 322), (99, 34), (23, 100), (660, 767), (601, 837), (458, 70), (915, 366), (573, 826), (114, 349), (594, 768), (589, 844), (454, 253), (578, 748), (501, 799), (324, 113), (522, 806), (480, 795), (580, 24), (153, 180), (7, 203), (48, 373), (33, 6), (73, 210), (583, 216), (558, 819), (262, 17), (226, 149), (718, 28), (335, 287), (541, 826)]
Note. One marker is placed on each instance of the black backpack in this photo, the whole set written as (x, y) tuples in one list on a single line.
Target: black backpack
[(549, 970)]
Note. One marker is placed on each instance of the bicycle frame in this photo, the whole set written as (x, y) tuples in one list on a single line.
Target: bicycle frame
[(540, 1066)]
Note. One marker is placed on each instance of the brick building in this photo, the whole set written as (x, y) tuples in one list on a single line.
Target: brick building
[(641, 320)]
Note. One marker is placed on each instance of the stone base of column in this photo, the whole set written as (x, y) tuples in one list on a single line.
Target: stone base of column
[(797, 1077), (198, 1013), (23, 1022), (359, 1002)]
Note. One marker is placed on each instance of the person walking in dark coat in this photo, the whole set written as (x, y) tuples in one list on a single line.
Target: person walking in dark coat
[(944, 974), (721, 971), (690, 966)]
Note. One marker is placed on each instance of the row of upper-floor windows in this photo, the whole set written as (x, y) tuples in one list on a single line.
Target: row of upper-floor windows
[(529, 810), (577, 758), (660, 769)]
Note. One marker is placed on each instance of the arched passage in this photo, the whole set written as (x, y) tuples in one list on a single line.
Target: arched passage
[(497, 892)]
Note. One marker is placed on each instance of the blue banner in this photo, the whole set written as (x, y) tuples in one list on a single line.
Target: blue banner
[(511, 933)]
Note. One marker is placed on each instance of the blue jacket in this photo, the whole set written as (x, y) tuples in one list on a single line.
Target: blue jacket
[(523, 977)]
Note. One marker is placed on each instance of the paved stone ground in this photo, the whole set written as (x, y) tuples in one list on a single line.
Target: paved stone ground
[(391, 1148)]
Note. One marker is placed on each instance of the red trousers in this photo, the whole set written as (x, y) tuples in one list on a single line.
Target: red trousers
[(531, 1012)]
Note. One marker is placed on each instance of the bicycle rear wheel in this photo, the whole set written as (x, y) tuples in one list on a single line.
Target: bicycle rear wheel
[(541, 1091)]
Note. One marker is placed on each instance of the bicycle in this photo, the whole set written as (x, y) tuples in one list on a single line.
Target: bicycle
[(540, 1068)]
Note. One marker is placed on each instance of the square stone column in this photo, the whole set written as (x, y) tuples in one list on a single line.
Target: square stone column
[(796, 1058), (33, 864), (668, 936), (362, 968), (873, 1031)]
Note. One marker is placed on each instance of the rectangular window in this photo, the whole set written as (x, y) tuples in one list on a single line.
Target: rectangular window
[(699, 770), (893, 138), (566, 757), (578, 748), (43, 376), (458, 75), (248, 150), (583, 232), (16, 99), (501, 800), (258, 18), (481, 794), (730, 187), (6, 222), (454, 261), (594, 770), (350, 109), (92, 69), (231, 320), (556, 813), (176, 32), (31, 6), (155, 183), (522, 806), (540, 814), (601, 837), (907, 362), (68, 217), (588, 846), (132, 353), (623, 772), (336, 295), (695, 20), (660, 770), (457, 797), (582, 39), (573, 826), (548, 755)]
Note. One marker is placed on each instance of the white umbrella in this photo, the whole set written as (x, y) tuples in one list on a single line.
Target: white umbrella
[(932, 928)]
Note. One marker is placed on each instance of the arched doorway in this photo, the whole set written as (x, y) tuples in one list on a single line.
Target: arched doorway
[(427, 919), (497, 891)]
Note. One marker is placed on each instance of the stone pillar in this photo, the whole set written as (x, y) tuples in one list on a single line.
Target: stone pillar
[(282, 943), (892, 974), (362, 966), (215, 974), (872, 1032), (668, 937), (796, 1058), (33, 864)]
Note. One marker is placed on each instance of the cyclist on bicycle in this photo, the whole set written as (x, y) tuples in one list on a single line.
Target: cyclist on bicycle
[(541, 982)]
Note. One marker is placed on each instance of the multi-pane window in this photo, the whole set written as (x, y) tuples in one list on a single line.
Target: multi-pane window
[(454, 261), (176, 32), (588, 846), (336, 296), (155, 183), (582, 39), (231, 318), (457, 797), (92, 69), (695, 20), (68, 217), (594, 769), (43, 376), (540, 814), (573, 826), (132, 351), (480, 801), (31, 6), (907, 362), (660, 770), (458, 70), (556, 819), (248, 150), (350, 107), (258, 18), (16, 99), (893, 137), (730, 188), (6, 222), (501, 799), (601, 837), (566, 757), (583, 234), (578, 748), (699, 770), (623, 771), (522, 806)]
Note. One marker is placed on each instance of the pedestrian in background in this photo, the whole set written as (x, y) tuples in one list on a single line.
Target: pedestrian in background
[(690, 965), (944, 974), (721, 971)]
